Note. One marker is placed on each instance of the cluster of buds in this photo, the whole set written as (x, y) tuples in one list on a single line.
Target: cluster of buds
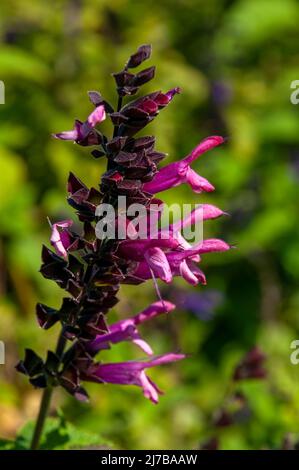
[(91, 270)]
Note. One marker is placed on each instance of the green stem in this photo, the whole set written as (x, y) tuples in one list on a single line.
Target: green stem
[(46, 400), (43, 411)]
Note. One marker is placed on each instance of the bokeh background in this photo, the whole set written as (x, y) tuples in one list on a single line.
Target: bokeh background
[(235, 61)]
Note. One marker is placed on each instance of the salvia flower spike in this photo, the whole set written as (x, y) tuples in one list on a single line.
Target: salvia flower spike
[(90, 270)]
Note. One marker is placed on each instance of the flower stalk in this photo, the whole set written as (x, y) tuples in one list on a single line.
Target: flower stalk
[(46, 401), (41, 418), (91, 270)]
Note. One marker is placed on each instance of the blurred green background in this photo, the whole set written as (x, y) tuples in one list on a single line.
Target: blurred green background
[(235, 61)]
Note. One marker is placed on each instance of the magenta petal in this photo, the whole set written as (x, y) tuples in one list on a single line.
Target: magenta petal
[(97, 116), (200, 213), (67, 135), (168, 177), (60, 238), (197, 182), (142, 271), (211, 212), (204, 146), (182, 241), (164, 359), (126, 329), (102, 341), (158, 262), (131, 373), (82, 129), (64, 223), (176, 257), (135, 249), (175, 174), (153, 310), (130, 333), (143, 345), (197, 272), (211, 245), (188, 274), (179, 172), (186, 246), (206, 246), (150, 390)]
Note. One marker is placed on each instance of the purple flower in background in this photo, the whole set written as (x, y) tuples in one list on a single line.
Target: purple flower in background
[(84, 132), (202, 305), (131, 373), (222, 92), (127, 329)]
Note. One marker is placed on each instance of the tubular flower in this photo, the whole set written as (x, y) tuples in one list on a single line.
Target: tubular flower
[(181, 262), (132, 373), (180, 172), (84, 132), (127, 329), (91, 270), (151, 251), (164, 256)]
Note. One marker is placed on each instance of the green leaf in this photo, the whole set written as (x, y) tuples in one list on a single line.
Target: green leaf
[(6, 444), (59, 434)]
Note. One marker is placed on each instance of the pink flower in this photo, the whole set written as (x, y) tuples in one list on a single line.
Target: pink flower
[(180, 172), (181, 262), (127, 329), (135, 249), (83, 132), (131, 373), (152, 252), (200, 213), (60, 237), (170, 254)]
